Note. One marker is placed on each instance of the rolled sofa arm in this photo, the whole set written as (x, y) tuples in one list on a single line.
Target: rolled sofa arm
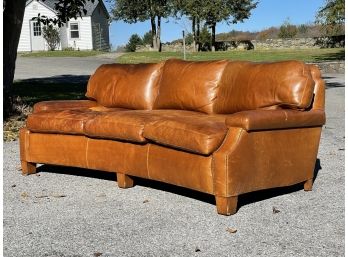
[(63, 104), (275, 119)]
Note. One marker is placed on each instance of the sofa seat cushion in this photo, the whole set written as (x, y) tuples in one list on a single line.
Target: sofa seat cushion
[(61, 121), (190, 131), (128, 125)]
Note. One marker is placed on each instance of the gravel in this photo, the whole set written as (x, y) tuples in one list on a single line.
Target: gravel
[(63, 212)]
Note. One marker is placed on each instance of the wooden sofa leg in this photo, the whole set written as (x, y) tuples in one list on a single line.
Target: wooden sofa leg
[(308, 185), (226, 205), (28, 168), (124, 181)]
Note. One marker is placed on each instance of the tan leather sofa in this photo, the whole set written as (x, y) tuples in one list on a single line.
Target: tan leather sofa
[(220, 127)]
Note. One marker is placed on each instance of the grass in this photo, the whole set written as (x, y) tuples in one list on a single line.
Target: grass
[(306, 55), (61, 53)]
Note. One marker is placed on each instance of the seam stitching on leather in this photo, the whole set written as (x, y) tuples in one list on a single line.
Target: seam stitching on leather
[(86, 155), (147, 161), (306, 85), (228, 154), (213, 159), (26, 145)]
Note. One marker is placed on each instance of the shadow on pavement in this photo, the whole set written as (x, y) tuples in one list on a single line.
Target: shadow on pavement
[(243, 199), (333, 84), (57, 79), (65, 87), (338, 56)]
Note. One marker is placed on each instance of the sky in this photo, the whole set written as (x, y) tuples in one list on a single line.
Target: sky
[(268, 13)]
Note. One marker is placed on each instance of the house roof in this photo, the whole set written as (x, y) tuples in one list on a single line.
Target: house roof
[(89, 6)]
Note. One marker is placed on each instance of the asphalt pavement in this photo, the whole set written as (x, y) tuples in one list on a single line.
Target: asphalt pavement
[(66, 212)]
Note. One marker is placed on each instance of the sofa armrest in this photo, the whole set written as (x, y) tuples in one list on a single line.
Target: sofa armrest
[(63, 104), (275, 119)]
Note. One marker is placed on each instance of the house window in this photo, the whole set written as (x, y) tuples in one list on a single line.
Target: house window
[(74, 30), (37, 29)]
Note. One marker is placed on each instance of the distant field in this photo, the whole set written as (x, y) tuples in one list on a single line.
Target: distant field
[(61, 54), (306, 55)]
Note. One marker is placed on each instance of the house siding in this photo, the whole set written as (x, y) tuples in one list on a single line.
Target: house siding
[(63, 37), (100, 29), (84, 42), (30, 12)]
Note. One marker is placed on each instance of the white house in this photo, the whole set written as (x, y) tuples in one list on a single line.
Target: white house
[(91, 31)]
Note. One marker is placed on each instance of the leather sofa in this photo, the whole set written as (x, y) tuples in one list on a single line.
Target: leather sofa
[(224, 128)]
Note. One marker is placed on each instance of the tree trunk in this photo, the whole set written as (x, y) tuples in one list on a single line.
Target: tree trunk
[(154, 33), (213, 36), (13, 19), (158, 36), (194, 33), (199, 33)]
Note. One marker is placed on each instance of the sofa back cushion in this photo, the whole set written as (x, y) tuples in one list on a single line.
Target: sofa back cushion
[(132, 86), (249, 86), (189, 85)]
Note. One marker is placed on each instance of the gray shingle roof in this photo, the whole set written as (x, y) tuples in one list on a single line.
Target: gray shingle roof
[(89, 6)]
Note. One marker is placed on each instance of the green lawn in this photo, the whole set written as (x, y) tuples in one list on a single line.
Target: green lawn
[(61, 54), (306, 55)]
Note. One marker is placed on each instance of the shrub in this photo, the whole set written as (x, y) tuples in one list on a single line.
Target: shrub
[(205, 39), (287, 30), (147, 38), (189, 39), (51, 35), (134, 40)]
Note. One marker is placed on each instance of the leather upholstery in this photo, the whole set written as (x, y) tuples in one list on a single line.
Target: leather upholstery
[(223, 128), (190, 131), (189, 85), (319, 89), (127, 125), (250, 161), (198, 133), (65, 122), (181, 168), (63, 105), (275, 119), (132, 86), (250, 86)]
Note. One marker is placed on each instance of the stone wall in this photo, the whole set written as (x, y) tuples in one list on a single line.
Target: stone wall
[(165, 48), (277, 43)]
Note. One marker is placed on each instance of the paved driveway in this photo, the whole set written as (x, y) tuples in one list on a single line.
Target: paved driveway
[(46, 67)]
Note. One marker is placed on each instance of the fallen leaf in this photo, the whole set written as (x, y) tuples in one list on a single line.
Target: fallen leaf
[(197, 249), (14, 185), (275, 210), (146, 201), (231, 230), (24, 195), (97, 254)]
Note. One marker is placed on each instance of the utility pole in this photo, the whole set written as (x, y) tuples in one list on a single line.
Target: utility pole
[(183, 41)]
